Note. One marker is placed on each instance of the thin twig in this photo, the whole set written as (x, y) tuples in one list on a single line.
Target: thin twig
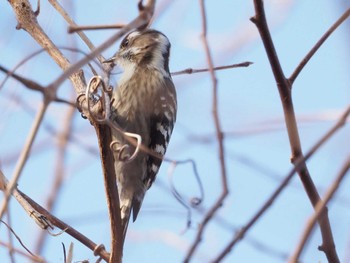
[(37, 217), (32, 85), (63, 139), (70, 253), (298, 164), (139, 21), (75, 28), (226, 224), (28, 21), (268, 249), (219, 136), (67, 229), (22, 62), (319, 43), (18, 239), (318, 211), (22, 253), (24, 156), (64, 253), (284, 88), (32, 55), (71, 23), (193, 201), (192, 71), (10, 237)]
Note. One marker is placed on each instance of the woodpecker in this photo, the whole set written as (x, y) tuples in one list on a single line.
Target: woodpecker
[(144, 102)]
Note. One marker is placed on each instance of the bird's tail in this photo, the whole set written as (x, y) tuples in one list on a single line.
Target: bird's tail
[(125, 216), (125, 211)]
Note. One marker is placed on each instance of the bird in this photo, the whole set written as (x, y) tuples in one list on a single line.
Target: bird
[(144, 102)]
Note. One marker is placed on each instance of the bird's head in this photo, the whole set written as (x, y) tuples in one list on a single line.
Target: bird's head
[(148, 48)]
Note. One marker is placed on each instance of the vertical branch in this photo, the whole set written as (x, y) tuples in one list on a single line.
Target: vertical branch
[(284, 88), (24, 156), (104, 139), (10, 238), (219, 137), (63, 138)]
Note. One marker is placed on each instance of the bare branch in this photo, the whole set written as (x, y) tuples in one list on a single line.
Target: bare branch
[(143, 19), (10, 236), (22, 253), (68, 229), (24, 156), (32, 85), (219, 137), (284, 88), (93, 108), (318, 45), (27, 21), (19, 240), (63, 139), (192, 71), (26, 82), (298, 165), (318, 212), (71, 23), (75, 28)]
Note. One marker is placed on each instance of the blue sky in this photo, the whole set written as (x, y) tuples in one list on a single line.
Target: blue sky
[(249, 101)]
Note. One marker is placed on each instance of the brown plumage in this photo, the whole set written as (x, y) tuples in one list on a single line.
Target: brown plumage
[(144, 102)]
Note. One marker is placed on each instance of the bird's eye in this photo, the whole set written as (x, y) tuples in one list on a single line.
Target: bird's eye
[(124, 43)]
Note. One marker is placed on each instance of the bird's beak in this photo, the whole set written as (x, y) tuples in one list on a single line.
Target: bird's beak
[(110, 60)]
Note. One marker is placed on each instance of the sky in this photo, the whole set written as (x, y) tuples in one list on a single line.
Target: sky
[(257, 151)]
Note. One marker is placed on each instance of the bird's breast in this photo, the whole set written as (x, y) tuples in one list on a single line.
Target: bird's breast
[(138, 92)]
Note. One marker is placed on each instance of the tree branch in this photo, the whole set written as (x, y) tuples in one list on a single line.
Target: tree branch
[(71, 23), (23, 156), (319, 43), (318, 212), (192, 71), (107, 159), (298, 164), (219, 137), (284, 88), (45, 219), (59, 176), (27, 20)]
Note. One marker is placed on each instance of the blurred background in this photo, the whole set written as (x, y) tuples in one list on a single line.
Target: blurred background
[(68, 177)]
